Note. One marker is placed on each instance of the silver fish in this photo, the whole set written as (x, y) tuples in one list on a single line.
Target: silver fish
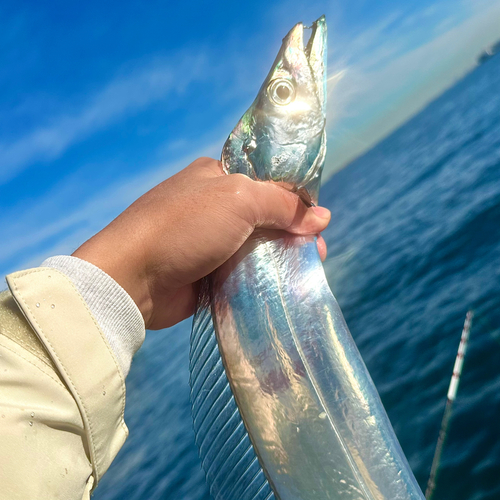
[(283, 405)]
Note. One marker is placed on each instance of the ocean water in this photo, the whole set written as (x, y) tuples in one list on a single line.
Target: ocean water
[(414, 243)]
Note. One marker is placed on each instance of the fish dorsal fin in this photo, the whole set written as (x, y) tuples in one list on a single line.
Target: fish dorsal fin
[(227, 456)]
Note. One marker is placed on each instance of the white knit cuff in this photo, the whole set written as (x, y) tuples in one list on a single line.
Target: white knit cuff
[(113, 308)]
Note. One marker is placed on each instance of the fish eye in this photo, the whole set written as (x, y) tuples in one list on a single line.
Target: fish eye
[(281, 92)]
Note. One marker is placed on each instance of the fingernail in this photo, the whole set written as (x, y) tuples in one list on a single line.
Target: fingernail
[(321, 212)]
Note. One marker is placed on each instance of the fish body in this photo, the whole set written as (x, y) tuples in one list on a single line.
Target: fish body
[(283, 405)]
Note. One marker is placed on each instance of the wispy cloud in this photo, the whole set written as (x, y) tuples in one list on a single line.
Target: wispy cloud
[(29, 237), (392, 70), (112, 103), (382, 77)]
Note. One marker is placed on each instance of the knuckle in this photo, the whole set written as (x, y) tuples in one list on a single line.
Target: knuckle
[(242, 197), (205, 160), (207, 163), (288, 201), (239, 185)]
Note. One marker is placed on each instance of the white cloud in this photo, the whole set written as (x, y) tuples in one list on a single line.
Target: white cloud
[(110, 104)]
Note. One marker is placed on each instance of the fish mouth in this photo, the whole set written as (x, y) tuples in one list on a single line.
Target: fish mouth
[(314, 53), (307, 64)]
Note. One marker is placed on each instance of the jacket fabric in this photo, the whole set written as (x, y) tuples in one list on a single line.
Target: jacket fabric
[(62, 393)]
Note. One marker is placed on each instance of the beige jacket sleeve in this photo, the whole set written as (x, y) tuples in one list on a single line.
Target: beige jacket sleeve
[(62, 394)]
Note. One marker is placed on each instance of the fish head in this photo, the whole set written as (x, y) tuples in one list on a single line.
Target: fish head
[(282, 136)]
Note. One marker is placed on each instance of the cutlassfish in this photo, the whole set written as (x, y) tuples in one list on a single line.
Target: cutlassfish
[(283, 405)]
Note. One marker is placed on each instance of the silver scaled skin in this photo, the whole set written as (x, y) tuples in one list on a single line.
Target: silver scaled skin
[(283, 404)]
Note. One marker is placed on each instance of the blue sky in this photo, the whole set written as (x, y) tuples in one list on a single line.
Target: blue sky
[(101, 100)]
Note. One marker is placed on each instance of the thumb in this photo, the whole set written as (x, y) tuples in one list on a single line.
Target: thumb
[(274, 207)]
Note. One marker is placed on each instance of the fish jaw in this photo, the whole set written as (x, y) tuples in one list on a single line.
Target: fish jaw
[(316, 52), (282, 136)]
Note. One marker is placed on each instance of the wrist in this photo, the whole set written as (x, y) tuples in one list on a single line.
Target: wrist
[(113, 309), (123, 266)]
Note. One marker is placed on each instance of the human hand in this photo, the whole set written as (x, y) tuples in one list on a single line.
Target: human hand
[(186, 227)]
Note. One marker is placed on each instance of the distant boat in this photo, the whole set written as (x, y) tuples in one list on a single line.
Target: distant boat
[(489, 53)]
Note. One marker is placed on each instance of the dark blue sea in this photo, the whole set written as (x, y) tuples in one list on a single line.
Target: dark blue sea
[(414, 243)]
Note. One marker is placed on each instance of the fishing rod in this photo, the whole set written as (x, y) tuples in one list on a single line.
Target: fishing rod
[(452, 394)]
